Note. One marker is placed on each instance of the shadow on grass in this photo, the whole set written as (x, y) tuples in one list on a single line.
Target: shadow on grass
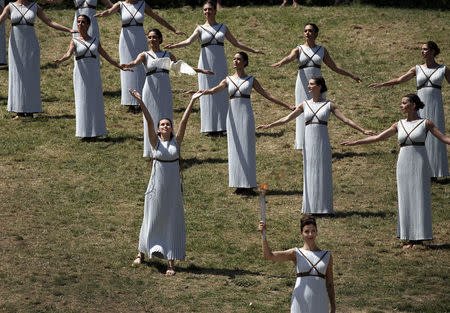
[(445, 246), (360, 214), (181, 110), (3, 98), (116, 93), (49, 65), (273, 135), (187, 163), (56, 117), (276, 192), (339, 156), (118, 139), (444, 181)]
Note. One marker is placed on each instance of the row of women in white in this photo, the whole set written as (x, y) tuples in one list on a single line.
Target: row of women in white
[(163, 231)]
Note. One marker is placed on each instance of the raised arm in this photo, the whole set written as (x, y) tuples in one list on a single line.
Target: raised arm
[(103, 53), (160, 20), (291, 57), (404, 78), (152, 136), (436, 133), (5, 14), (112, 9), (49, 22), (186, 42), (284, 120), (68, 54), (348, 121), (330, 63), (381, 136), (257, 86), (239, 44), (223, 84), (329, 282), (139, 60), (185, 118), (276, 256)]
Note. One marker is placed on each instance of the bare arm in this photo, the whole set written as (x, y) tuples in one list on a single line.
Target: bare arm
[(186, 42), (5, 14), (257, 86), (348, 121), (113, 9), (160, 20), (284, 120), (382, 136), (185, 118), (276, 256), (139, 60), (404, 78), (239, 44), (291, 57), (108, 3), (223, 84), (330, 285), (68, 53), (49, 22), (436, 133), (103, 53), (152, 136), (330, 63), (447, 75)]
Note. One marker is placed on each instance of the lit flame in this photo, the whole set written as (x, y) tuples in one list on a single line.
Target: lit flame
[(263, 187)]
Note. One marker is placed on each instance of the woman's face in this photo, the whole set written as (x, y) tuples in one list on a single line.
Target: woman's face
[(406, 105), (309, 32), (309, 233), (153, 39), (208, 10), (238, 61), (426, 52), (82, 24), (165, 126), (312, 86)]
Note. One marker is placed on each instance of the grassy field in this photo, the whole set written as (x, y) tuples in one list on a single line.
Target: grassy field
[(71, 211)]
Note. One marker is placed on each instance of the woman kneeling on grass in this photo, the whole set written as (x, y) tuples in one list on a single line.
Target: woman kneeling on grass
[(163, 230), (413, 171), (314, 270)]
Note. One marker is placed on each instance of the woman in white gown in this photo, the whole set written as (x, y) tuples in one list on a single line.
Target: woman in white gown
[(429, 77), (157, 91), (132, 42), (163, 230), (87, 82), (413, 170), (241, 124), (2, 37), (310, 57), (317, 170), (24, 92), (314, 286), (212, 35)]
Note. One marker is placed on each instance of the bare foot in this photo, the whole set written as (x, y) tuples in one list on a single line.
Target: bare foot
[(408, 246), (170, 268), (295, 4), (139, 259), (283, 4), (15, 118)]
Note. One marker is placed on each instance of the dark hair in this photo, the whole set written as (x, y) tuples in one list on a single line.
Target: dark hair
[(244, 56), (213, 3), (158, 32), (171, 125), (307, 220), (314, 26), (88, 19), (414, 99), (433, 46), (319, 80)]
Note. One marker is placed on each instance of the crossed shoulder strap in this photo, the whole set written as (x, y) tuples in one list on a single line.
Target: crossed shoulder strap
[(133, 16), (428, 79), (213, 36), (23, 15), (313, 266), (315, 114), (84, 5), (238, 88), (88, 49), (408, 134), (310, 58)]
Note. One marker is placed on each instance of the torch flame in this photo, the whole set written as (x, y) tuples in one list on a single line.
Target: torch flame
[(263, 187)]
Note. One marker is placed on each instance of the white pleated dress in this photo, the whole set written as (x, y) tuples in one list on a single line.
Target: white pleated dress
[(213, 108), (310, 292), (132, 41), (309, 65), (88, 8), (156, 94), (2, 39), (24, 92), (429, 84), (317, 170), (413, 182), (241, 134), (163, 227)]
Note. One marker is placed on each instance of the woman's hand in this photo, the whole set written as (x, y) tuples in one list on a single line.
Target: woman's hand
[(357, 79), (278, 64), (348, 143), (369, 133), (262, 226), (258, 51), (263, 126), (169, 46), (292, 107), (135, 94), (57, 61), (74, 31), (179, 32), (375, 85), (125, 68)]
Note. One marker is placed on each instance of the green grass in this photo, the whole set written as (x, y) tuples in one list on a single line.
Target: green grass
[(71, 211)]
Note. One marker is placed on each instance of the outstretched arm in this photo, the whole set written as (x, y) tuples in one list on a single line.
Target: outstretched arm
[(223, 84), (49, 22), (404, 78), (185, 118), (139, 60), (160, 20), (436, 133), (291, 57), (276, 256), (447, 75), (186, 42), (68, 53), (329, 281), (382, 136), (108, 3), (239, 44), (257, 86), (330, 63), (348, 121), (152, 136), (5, 14), (284, 120), (112, 9), (103, 53)]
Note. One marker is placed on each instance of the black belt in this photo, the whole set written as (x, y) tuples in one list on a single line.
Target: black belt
[(319, 122), (87, 7), (309, 274), (412, 144), (432, 86), (19, 24), (212, 44), (85, 56), (303, 66), (165, 161), (156, 71), (129, 24), (241, 96)]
